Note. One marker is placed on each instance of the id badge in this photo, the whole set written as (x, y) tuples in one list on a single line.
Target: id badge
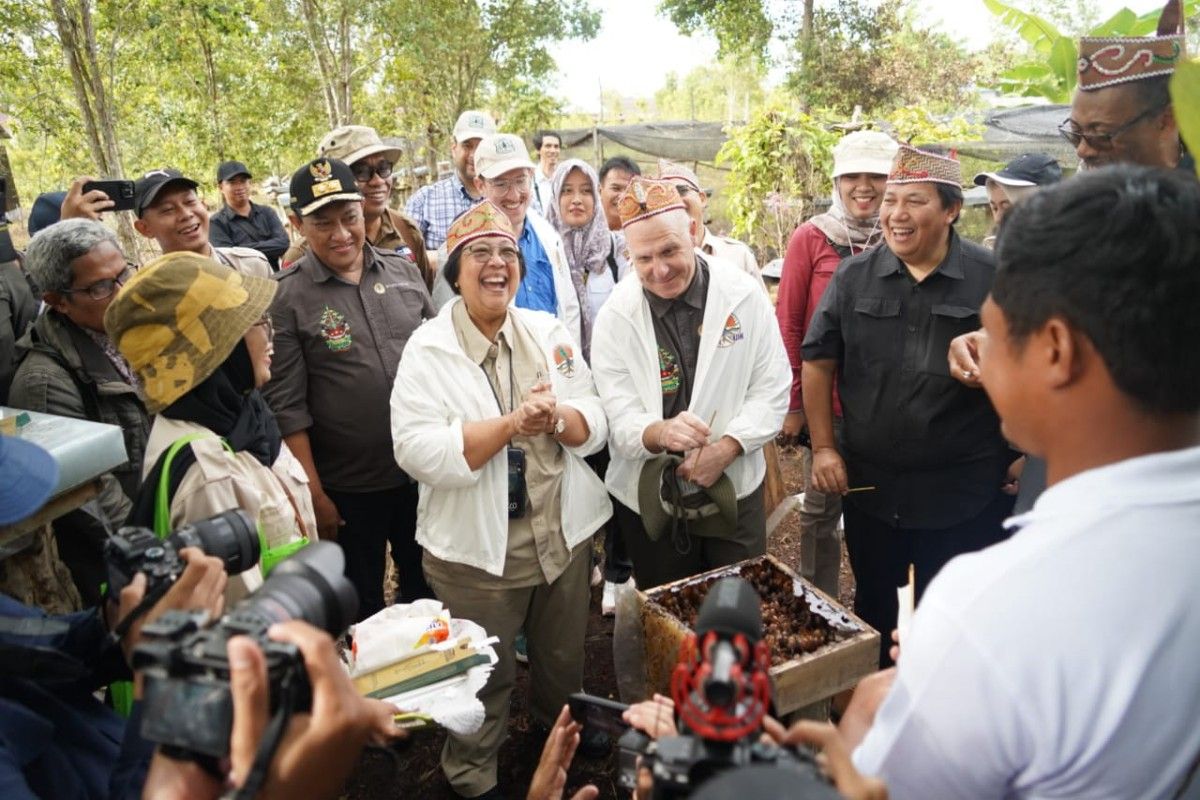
[(516, 483)]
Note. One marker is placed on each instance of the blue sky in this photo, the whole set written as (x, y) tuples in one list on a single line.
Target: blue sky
[(636, 48)]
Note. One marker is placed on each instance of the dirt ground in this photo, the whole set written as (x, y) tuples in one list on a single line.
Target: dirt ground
[(411, 770)]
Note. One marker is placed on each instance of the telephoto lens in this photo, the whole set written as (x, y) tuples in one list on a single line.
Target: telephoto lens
[(188, 704), (230, 536)]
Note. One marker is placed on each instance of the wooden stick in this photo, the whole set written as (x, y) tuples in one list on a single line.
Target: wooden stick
[(862, 489)]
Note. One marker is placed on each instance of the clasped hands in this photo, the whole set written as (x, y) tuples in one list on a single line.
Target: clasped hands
[(537, 412)]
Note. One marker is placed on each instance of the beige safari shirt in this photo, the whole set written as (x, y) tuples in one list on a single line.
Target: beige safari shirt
[(536, 551), (245, 260), (733, 251), (277, 498)]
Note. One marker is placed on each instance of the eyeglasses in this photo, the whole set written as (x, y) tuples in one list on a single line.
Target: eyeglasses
[(265, 323), (482, 254), (1102, 141), (102, 290), (363, 171), (683, 189), (504, 187)]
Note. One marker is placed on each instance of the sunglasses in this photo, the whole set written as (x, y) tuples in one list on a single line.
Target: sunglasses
[(265, 323), (363, 171), (1101, 141), (102, 290)]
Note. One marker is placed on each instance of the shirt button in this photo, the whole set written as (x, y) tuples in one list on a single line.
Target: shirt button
[(912, 328)]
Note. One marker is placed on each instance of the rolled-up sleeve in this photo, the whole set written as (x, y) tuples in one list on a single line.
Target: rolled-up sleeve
[(823, 341), (427, 439), (287, 391)]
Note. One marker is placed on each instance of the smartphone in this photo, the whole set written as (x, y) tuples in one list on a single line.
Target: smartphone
[(119, 191), (598, 713)]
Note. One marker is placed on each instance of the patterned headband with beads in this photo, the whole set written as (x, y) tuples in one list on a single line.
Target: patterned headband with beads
[(1111, 60), (644, 198), (483, 219), (918, 166)]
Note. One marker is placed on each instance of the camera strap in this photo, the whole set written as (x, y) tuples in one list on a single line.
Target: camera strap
[(511, 383), (271, 738)]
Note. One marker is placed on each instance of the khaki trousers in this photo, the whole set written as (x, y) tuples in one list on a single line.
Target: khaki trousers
[(820, 545), (554, 617)]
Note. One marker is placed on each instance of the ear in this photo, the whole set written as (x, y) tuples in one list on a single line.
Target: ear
[(56, 301), (479, 185), (1064, 351), (1168, 122), (296, 221)]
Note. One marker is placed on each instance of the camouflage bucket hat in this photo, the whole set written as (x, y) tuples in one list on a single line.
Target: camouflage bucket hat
[(179, 318)]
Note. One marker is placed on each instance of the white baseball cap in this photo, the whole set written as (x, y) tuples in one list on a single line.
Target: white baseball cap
[(499, 153), (864, 151), (473, 125)]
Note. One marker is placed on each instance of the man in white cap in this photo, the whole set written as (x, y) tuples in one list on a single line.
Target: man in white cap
[(435, 206), (371, 161), (505, 177), (695, 199)]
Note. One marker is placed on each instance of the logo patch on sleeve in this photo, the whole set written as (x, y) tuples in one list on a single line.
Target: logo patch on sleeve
[(564, 360)]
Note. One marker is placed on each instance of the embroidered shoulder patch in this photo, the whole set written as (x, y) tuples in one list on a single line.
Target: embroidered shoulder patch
[(668, 371), (731, 333), (564, 360), (335, 330)]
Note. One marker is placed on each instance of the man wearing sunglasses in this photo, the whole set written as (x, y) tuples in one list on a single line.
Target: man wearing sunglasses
[(70, 367), (1122, 111), (372, 163)]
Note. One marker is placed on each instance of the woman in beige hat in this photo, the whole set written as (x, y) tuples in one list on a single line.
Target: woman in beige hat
[(861, 163), (200, 340)]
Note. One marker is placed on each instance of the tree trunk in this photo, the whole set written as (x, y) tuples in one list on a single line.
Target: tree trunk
[(320, 48), (806, 41), (78, 40)]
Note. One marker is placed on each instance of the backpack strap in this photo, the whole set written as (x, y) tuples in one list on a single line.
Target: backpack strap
[(164, 489)]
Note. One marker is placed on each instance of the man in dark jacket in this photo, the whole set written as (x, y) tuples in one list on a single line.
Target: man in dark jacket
[(70, 368)]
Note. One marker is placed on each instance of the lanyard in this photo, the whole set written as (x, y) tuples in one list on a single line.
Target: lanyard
[(511, 382)]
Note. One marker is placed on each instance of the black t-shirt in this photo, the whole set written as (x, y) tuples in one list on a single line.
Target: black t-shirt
[(931, 446)]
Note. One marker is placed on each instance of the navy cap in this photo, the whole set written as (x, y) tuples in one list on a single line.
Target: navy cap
[(1028, 169), (27, 476), (320, 182), (46, 211), (147, 187), (231, 169)]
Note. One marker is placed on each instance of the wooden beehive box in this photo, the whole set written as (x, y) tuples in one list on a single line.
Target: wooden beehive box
[(798, 682)]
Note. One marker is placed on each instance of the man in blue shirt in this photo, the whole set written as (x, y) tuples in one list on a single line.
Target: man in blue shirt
[(505, 176)]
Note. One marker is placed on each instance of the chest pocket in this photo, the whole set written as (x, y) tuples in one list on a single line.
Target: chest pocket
[(403, 306), (877, 334), (947, 321)]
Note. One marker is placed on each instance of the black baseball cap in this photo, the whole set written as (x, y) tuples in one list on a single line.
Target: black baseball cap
[(1028, 169), (148, 187), (231, 169), (320, 182)]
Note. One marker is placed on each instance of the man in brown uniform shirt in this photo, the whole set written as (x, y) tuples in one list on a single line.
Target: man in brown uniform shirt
[(372, 161), (342, 316)]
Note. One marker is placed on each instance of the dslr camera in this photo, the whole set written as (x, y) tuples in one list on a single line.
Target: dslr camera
[(231, 536), (186, 695)]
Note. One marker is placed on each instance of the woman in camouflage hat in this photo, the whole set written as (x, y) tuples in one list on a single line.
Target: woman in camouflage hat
[(200, 340)]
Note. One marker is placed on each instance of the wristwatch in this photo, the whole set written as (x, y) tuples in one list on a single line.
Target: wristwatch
[(560, 425)]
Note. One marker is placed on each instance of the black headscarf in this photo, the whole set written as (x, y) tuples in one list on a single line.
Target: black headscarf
[(226, 403)]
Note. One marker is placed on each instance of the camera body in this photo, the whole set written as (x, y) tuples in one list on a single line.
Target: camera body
[(681, 764), (231, 536), (186, 694)]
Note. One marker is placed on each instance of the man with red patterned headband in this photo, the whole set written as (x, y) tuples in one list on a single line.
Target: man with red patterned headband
[(920, 461), (693, 375)]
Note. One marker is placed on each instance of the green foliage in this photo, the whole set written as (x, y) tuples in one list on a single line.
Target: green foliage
[(874, 57), (1050, 71), (780, 163), (741, 26), (914, 124), (725, 91), (1185, 95)]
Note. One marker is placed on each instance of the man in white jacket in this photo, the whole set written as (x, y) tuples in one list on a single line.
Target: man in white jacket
[(694, 379)]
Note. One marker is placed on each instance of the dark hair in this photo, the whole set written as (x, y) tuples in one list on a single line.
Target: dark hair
[(623, 163), (949, 195), (1115, 253), (454, 263), (1152, 92), (540, 136)]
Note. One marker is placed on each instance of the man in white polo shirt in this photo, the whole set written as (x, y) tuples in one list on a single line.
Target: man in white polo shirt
[(1062, 662)]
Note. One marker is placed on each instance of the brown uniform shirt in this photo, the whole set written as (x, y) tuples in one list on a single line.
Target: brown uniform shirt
[(398, 233), (536, 551), (337, 346)]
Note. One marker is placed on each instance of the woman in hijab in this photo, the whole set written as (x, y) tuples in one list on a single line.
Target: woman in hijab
[(595, 253), (200, 340), (861, 163)]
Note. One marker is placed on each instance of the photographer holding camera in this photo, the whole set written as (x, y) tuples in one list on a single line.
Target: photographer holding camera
[(56, 738)]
